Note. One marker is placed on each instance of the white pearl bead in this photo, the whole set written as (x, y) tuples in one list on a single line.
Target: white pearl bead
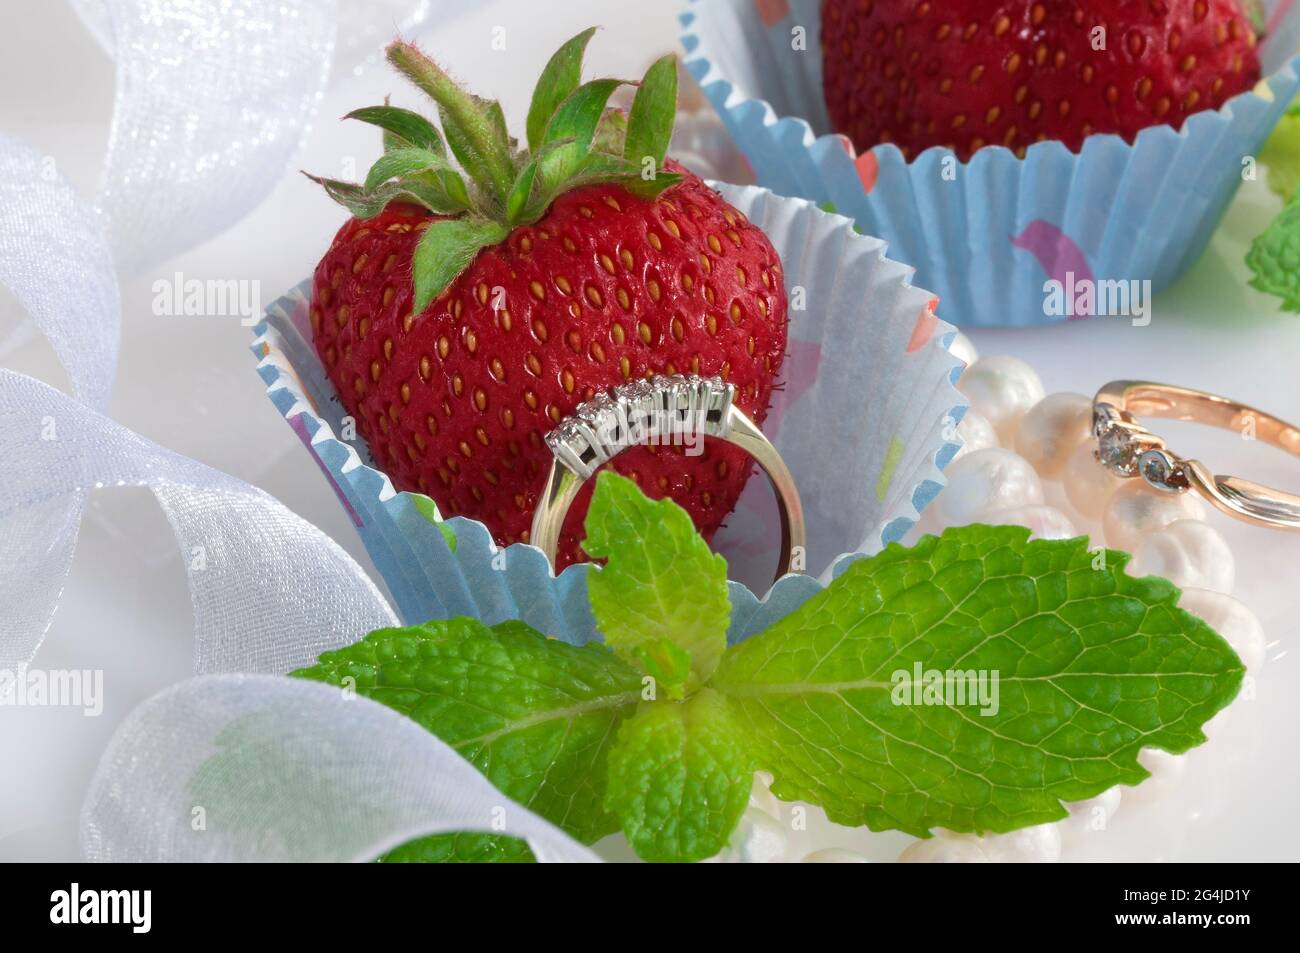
[(1088, 485), (835, 855), (761, 797), (1187, 553), (943, 850), (1050, 431), (927, 525), (1090, 816), (1167, 772), (963, 348), (1136, 509), (1045, 522), (759, 838), (975, 433), (1002, 388), (990, 479), (1029, 845), (1239, 626)]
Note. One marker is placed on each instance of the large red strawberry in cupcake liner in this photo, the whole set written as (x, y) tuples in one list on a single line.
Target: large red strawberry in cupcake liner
[(462, 313), (969, 73)]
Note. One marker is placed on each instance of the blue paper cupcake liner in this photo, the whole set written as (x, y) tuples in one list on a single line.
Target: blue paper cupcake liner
[(866, 427), (988, 240)]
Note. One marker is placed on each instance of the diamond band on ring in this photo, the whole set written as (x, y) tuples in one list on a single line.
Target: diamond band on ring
[(670, 409), (1128, 449)]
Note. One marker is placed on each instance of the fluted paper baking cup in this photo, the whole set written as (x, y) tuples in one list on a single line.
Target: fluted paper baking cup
[(987, 235), (863, 415)]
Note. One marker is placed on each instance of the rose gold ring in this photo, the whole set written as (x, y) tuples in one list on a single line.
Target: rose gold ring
[(1130, 450)]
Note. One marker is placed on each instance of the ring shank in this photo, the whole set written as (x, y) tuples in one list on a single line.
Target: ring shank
[(745, 435), (1146, 399), (1240, 498), (561, 490)]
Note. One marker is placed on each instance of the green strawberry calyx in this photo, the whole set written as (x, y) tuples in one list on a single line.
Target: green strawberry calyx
[(575, 139)]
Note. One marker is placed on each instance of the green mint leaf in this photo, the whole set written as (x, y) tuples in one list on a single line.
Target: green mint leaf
[(660, 583), (650, 123), (250, 749), (460, 849), (535, 715), (668, 664), (475, 128), (445, 250), (1281, 155), (1274, 258), (1092, 665), (679, 777), (429, 510), (559, 79), (409, 128)]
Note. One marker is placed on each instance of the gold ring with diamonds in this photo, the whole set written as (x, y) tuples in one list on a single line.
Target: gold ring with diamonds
[(668, 410), (1130, 450)]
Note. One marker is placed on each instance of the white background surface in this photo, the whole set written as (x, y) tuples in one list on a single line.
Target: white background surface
[(126, 609)]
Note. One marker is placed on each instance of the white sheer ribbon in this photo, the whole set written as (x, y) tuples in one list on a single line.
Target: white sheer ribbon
[(270, 590), (55, 260), (213, 99), (257, 768)]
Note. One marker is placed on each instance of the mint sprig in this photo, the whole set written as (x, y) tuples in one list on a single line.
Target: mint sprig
[(1274, 254), (1274, 258), (662, 587), (536, 716), (1281, 155), (574, 140), (659, 731)]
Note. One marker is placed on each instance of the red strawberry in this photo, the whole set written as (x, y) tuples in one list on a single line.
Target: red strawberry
[(970, 73), (600, 284)]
